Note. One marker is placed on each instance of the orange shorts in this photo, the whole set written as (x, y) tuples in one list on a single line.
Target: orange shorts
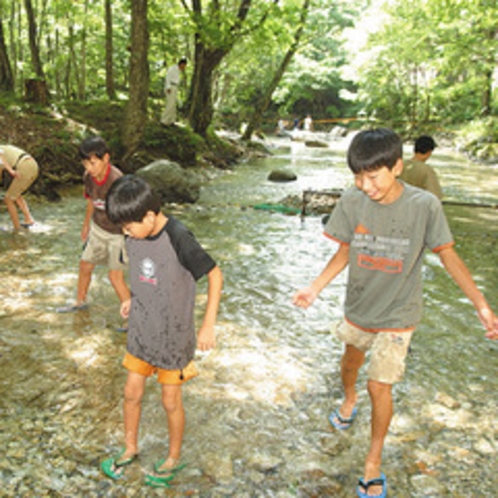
[(173, 377)]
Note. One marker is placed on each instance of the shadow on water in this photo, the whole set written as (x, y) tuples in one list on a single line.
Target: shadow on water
[(257, 414)]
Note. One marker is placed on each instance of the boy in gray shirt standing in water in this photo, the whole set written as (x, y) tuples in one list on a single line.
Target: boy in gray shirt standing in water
[(383, 227), (165, 261)]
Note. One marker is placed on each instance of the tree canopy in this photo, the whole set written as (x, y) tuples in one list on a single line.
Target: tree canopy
[(422, 62)]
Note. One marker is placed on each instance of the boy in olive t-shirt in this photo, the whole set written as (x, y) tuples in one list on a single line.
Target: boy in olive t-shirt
[(383, 227)]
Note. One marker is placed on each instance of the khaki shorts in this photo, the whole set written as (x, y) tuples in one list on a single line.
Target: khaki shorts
[(104, 248), (28, 171), (388, 350), (172, 377)]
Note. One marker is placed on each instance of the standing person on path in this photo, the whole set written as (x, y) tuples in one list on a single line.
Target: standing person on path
[(24, 171), (308, 123), (165, 263), (417, 172), (383, 227), (171, 90), (104, 240)]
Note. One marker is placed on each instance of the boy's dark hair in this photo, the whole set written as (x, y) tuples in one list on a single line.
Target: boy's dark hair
[(93, 146), (129, 199), (424, 144), (372, 149)]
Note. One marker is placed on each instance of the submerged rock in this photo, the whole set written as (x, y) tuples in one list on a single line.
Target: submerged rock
[(280, 175)]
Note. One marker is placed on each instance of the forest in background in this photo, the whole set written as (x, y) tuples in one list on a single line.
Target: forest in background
[(415, 66)]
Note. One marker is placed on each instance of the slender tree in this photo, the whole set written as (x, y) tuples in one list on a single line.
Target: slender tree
[(109, 71), (217, 29), (136, 111), (33, 43), (6, 78), (265, 101)]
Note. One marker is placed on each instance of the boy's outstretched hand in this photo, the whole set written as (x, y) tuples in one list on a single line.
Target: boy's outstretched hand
[(490, 322), (304, 298), (206, 338)]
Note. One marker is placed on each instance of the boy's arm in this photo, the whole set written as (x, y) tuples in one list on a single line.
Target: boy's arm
[(305, 297), (461, 275), (7, 166), (86, 223), (206, 338)]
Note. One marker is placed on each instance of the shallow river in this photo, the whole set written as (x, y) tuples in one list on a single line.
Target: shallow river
[(257, 415)]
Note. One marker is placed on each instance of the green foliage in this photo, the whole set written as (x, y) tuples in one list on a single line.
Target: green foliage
[(313, 81), (480, 131), (431, 60)]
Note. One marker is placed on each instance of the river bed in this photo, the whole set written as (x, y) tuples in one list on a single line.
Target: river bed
[(257, 415)]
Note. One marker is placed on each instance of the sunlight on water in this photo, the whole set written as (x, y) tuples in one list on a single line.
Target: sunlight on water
[(264, 394)]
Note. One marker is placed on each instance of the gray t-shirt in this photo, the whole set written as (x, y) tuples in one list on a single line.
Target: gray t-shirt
[(163, 271), (386, 248)]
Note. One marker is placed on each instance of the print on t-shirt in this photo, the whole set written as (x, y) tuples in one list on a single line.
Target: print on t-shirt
[(148, 271)]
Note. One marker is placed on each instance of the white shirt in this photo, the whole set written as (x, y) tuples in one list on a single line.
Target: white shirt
[(172, 77)]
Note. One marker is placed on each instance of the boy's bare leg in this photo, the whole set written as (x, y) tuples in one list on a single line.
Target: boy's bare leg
[(351, 362), (173, 405), (132, 407), (12, 209), (382, 412), (84, 279), (23, 206), (117, 280)]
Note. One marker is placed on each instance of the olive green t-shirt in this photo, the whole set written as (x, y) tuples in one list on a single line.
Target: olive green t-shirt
[(386, 248), (419, 174)]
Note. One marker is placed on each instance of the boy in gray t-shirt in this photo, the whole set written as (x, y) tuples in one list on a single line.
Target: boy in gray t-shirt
[(383, 227), (165, 261)]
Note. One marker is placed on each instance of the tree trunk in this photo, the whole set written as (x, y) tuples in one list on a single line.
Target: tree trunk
[(13, 41), (82, 81), (33, 45), (72, 64), (6, 78), (265, 101), (201, 102), (208, 55), (109, 72), (487, 93), (136, 111)]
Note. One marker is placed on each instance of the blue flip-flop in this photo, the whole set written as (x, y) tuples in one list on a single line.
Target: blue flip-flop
[(378, 481), (72, 308), (341, 423)]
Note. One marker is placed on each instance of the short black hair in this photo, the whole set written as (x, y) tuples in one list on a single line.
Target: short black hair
[(373, 149), (129, 199), (93, 146), (425, 144), (183, 60)]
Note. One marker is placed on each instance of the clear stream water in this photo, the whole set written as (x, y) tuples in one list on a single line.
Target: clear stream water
[(257, 414)]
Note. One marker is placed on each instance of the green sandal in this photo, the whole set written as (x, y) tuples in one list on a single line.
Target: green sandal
[(158, 482), (114, 468), (161, 478)]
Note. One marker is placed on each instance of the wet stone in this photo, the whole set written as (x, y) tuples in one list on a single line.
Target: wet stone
[(425, 486), (220, 467), (264, 463), (484, 447)]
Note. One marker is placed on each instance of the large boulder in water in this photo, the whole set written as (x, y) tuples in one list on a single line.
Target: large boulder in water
[(171, 181), (280, 175)]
